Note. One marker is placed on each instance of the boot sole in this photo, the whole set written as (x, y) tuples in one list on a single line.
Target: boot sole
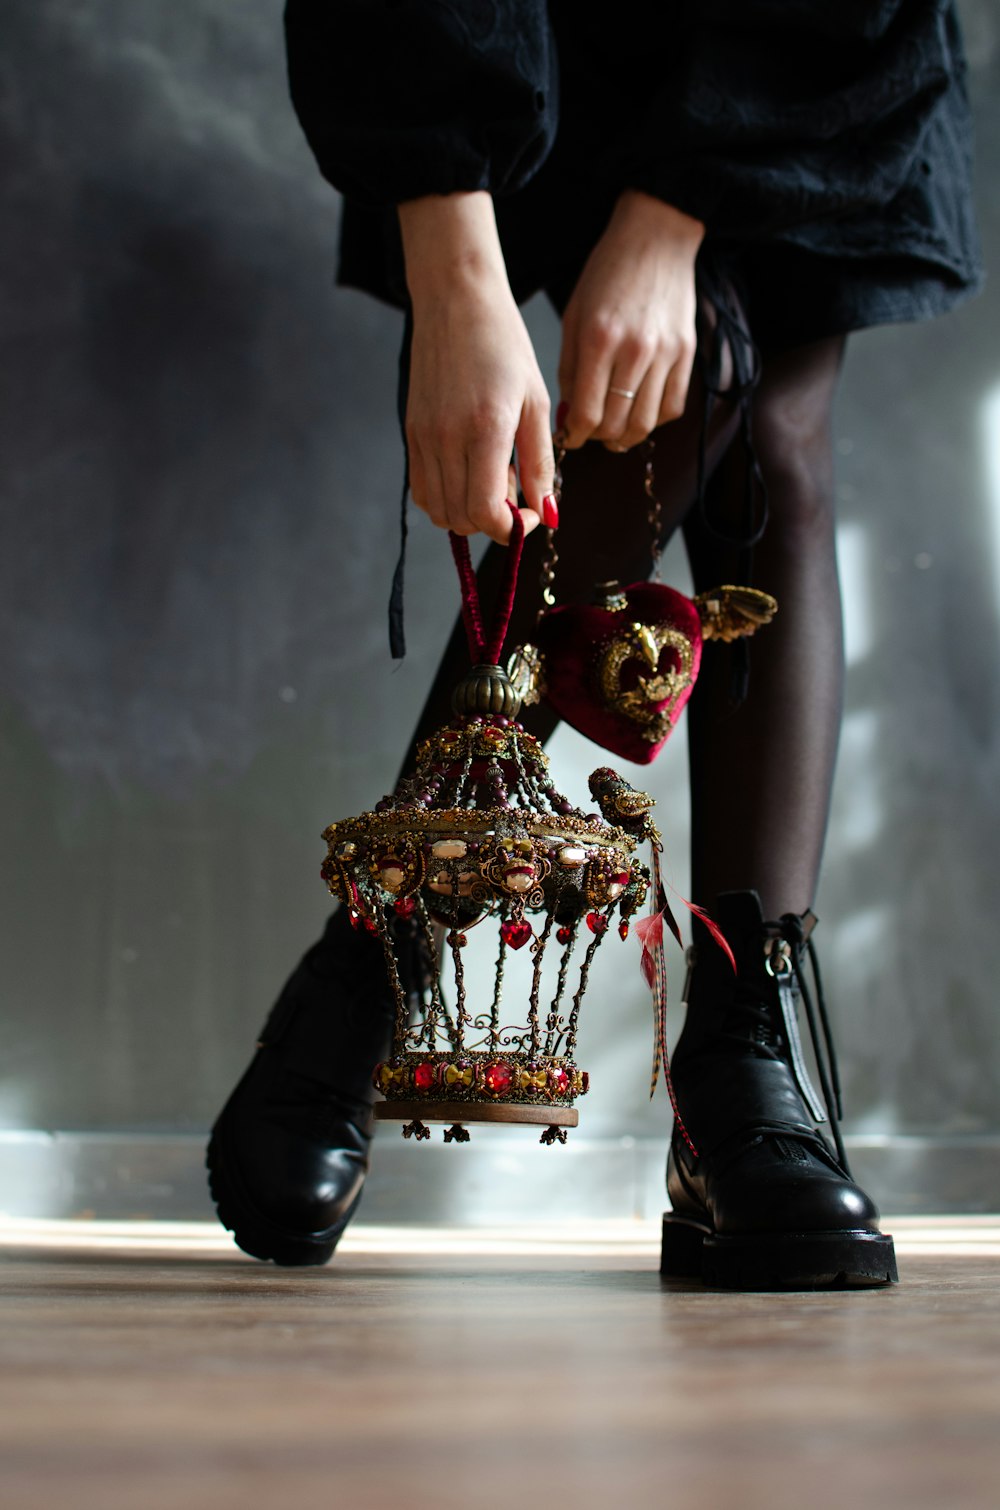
[(254, 1233), (776, 1260)]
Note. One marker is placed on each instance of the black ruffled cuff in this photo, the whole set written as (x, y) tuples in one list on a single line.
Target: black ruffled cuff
[(409, 98)]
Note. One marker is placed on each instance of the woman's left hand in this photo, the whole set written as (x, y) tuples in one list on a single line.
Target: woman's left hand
[(630, 326)]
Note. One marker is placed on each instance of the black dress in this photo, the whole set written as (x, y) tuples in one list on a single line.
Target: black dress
[(825, 146)]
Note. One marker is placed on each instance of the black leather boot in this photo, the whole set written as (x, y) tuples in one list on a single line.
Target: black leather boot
[(289, 1152), (766, 1202)]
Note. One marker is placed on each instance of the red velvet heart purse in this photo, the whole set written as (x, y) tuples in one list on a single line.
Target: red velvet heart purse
[(621, 669)]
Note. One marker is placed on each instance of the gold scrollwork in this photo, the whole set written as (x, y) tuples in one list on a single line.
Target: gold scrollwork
[(398, 867), (513, 864)]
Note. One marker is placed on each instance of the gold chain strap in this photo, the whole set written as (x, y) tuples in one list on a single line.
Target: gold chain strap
[(654, 514), (550, 555)]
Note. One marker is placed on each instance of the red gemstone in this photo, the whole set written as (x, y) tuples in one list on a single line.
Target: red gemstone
[(405, 907), (596, 922), (620, 878), (623, 930), (559, 1082), (354, 918), (371, 925), (563, 935), (424, 1076), (457, 940), (498, 1078), (516, 933)]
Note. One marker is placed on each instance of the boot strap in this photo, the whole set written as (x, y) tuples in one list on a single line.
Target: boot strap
[(786, 942), (790, 1020)]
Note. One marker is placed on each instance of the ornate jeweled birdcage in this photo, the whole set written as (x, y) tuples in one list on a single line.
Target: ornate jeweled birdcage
[(479, 837)]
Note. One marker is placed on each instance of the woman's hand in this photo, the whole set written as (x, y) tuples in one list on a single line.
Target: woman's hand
[(476, 394), (630, 326)]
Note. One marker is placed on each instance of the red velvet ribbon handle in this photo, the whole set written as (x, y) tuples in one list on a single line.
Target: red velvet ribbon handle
[(485, 649)]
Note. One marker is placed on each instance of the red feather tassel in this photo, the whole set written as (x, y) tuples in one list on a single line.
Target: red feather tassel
[(713, 928), (649, 932)]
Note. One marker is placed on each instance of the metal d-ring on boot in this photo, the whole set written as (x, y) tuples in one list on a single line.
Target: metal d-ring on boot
[(764, 1202), (288, 1154)]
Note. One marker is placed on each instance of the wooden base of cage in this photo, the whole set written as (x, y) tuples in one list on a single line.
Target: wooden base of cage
[(476, 1111), (554, 1120)]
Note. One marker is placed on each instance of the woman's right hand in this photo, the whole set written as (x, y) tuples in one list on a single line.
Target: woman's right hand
[(476, 395), (629, 334)]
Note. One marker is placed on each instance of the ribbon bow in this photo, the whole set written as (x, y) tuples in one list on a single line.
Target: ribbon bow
[(533, 1080)]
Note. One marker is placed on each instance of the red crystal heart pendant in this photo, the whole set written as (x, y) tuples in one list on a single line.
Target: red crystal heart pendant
[(516, 933), (621, 669)]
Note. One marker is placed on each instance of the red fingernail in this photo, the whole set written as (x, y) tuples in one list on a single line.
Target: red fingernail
[(561, 414), (550, 512)]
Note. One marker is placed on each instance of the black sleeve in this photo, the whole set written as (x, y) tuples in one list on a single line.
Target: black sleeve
[(786, 112), (400, 98)]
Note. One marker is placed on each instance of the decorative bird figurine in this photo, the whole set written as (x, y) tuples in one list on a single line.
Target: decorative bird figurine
[(622, 804)]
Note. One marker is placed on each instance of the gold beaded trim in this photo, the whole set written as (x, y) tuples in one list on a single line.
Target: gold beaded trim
[(513, 1079)]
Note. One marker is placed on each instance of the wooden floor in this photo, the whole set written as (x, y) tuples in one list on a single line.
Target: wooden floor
[(155, 1369)]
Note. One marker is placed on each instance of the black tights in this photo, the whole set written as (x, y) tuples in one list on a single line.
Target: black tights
[(761, 773)]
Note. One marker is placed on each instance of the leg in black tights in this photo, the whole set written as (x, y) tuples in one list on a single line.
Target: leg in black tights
[(758, 1198), (761, 773)]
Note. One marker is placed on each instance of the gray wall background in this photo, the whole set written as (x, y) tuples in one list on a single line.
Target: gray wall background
[(200, 471)]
